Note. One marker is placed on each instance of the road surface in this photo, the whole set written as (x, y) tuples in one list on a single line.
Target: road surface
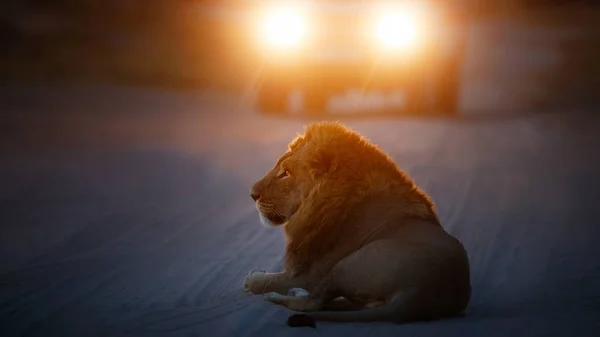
[(134, 218)]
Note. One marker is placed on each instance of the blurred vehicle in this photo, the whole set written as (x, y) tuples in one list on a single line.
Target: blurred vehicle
[(326, 47)]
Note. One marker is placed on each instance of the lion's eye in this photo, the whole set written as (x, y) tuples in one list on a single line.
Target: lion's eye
[(284, 174)]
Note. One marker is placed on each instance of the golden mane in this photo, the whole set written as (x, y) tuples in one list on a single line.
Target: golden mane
[(351, 174)]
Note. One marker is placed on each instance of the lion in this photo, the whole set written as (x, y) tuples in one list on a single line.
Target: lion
[(359, 232)]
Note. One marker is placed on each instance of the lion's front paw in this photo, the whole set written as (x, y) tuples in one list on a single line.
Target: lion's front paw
[(298, 292), (273, 297), (296, 303), (250, 279)]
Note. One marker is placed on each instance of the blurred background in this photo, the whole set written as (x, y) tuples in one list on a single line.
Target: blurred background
[(520, 55), (538, 52)]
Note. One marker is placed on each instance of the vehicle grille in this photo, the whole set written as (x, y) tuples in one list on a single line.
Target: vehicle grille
[(339, 30)]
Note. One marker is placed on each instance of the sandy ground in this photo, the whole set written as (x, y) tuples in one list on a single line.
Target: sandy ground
[(117, 224)]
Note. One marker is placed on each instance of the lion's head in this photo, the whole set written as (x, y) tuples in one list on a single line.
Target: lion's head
[(327, 152), (326, 173), (279, 194)]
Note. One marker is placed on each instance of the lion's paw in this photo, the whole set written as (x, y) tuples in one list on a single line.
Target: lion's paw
[(273, 297), (247, 279), (298, 292)]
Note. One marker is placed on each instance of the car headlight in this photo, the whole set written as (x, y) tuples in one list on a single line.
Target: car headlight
[(400, 27), (396, 30), (283, 27)]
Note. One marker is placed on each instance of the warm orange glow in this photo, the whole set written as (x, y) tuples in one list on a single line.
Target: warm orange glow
[(283, 27), (397, 30), (287, 27), (399, 27)]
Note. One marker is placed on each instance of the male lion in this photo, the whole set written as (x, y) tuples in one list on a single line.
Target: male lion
[(357, 228)]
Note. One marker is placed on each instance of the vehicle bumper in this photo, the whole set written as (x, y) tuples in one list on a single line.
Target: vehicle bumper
[(358, 68), (344, 73)]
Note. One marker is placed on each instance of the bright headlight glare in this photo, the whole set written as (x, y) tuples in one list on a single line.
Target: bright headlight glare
[(401, 26), (283, 27), (397, 30)]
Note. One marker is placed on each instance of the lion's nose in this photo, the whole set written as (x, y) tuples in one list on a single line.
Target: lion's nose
[(254, 195)]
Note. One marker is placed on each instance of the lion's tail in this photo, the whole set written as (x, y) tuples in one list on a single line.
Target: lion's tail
[(397, 310)]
